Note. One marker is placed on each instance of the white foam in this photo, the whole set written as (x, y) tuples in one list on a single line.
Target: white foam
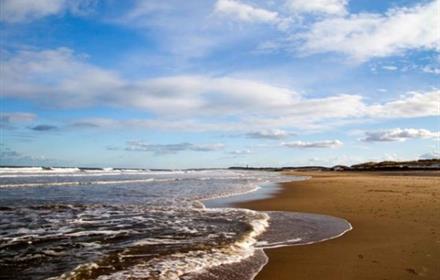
[(76, 183), (173, 266), (20, 169), (271, 245), (155, 241), (187, 197), (95, 232)]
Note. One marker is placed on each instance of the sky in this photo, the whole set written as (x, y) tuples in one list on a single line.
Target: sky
[(205, 83)]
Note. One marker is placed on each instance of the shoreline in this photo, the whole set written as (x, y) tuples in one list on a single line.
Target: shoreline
[(396, 221)]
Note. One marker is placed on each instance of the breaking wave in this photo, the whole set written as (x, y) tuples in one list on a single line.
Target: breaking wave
[(142, 225)]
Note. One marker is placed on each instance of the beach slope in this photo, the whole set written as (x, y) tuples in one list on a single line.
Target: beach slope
[(396, 220)]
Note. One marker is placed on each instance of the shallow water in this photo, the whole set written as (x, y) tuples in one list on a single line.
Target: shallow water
[(141, 224)]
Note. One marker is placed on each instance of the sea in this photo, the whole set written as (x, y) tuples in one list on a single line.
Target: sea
[(76, 223)]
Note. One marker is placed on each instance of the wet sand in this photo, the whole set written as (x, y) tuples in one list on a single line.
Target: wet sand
[(396, 221)]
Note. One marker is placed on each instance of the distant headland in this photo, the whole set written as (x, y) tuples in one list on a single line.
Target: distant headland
[(416, 165)]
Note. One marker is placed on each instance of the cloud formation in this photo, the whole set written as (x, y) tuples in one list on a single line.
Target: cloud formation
[(8, 120), (431, 70), (316, 144), (15, 11), (244, 12), (389, 67), (44, 127), (241, 152), (75, 83), (17, 117), (194, 101), (9, 156), (398, 134), (273, 134), (140, 146), (368, 35), (330, 7), (413, 104), (432, 155), (328, 26)]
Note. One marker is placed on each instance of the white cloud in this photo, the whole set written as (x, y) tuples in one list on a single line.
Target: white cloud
[(274, 134), (14, 11), (414, 104), (432, 155), (398, 134), (317, 144), (182, 30), (26, 10), (8, 120), (431, 70), (389, 67), (55, 76), (141, 146), (308, 27), (144, 9), (207, 147), (244, 12), (17, 117), (62, 79), (367, 35), (166, 124), (330, 7), (9, 156), (241, 152)]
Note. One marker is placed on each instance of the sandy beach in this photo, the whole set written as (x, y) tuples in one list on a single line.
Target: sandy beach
[(396, 221)]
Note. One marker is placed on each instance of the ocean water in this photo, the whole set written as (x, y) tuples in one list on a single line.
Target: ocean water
[(71, 223)]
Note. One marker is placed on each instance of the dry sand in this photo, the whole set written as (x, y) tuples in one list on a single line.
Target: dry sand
[(396, 221)]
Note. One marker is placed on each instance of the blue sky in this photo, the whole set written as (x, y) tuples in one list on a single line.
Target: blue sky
[(175, 84)]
